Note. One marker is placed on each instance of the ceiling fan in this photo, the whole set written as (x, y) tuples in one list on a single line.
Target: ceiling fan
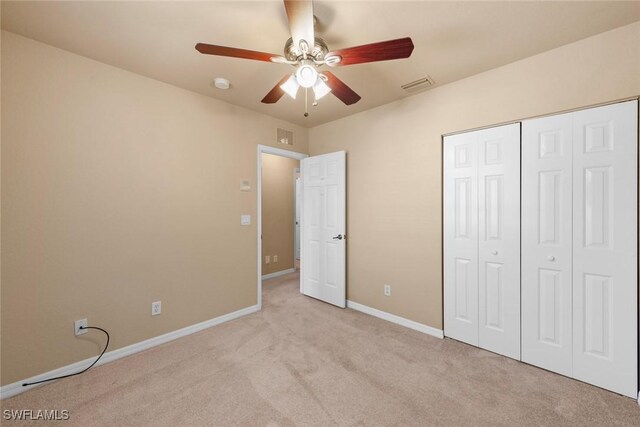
[(307, 53)]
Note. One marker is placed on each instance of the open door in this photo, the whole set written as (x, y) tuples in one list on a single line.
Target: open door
[(323, 224)]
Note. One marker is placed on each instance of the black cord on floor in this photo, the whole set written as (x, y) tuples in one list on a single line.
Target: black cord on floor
[(85, 369)]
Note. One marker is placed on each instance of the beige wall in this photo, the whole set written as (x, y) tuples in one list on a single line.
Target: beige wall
[(394, 159), (118, 190), (277, 211)]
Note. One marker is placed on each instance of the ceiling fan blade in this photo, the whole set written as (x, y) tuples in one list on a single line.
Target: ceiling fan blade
[(343, 92), (212, 49), (381, 51), (276, 93), (300, 15)]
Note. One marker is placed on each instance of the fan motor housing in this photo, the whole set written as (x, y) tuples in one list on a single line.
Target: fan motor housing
[(293, 53)]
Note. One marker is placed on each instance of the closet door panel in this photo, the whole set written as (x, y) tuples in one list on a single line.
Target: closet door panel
[(499, 239), (547, 156), (605, 233), (461, 238)]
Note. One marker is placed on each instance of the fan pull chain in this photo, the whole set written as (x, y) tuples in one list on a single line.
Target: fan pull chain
[(306, 102)]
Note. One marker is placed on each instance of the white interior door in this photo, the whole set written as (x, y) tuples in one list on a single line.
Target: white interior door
[(547, 157), (605, 247), (499, 239), (461, 237), (482, 238), (323, 224)]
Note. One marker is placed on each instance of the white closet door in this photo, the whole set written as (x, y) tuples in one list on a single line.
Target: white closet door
[(499, 239), (461, 238), (547, 156), (605, 233)]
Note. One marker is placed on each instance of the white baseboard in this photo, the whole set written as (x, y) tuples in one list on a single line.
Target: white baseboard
[(278, 273), (438, 333), (17, 388)]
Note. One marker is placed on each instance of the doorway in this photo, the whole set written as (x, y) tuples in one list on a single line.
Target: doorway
[(267, 266), (297, 200)]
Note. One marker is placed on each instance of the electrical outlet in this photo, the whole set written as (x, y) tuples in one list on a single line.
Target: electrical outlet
[(80, 323), (267, 259), (387, 290), (275, 258), (156, 308)]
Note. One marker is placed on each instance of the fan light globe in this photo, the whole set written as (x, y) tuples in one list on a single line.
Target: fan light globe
[(320, 89), (290, 86), (306, 76)]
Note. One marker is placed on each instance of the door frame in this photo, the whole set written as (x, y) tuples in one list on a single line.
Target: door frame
[(296, 175), (265, 149)]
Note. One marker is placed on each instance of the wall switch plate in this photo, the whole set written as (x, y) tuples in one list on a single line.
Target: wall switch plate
[(156, 308), (387, 290), (245, 219), (245, 185), (267, 259), (275, 258), (76, 327)]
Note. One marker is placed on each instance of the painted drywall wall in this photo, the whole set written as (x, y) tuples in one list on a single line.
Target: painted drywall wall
[(394, 195), (277, 211), (118, 190)]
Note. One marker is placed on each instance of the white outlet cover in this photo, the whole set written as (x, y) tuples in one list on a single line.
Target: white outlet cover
[(76, 327), (156, 308), (275, 258), (245, 219), (267, 259), (387, 290)]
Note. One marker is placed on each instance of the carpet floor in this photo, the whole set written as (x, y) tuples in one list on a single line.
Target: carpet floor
[(303, 362)]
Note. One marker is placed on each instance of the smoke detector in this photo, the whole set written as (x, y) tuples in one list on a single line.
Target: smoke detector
[(221, 83)]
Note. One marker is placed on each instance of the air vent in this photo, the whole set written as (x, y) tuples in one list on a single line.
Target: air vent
[(422, 83), (285, 136)]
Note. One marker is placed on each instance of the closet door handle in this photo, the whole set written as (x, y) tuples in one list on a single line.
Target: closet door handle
[(551, 258)]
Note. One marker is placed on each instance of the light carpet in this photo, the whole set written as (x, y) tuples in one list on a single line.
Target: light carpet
[(304, 362)]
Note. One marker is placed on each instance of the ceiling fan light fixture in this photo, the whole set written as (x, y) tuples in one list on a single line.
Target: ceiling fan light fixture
[(320, 89), (306, 75), (291, 86)]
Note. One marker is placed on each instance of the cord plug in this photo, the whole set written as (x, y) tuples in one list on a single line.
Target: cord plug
[(80, 327)]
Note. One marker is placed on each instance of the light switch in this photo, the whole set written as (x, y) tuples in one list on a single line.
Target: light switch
[(245, 185), (245, 219)]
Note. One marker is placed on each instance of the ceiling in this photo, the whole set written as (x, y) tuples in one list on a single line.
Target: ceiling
[(452, 40)]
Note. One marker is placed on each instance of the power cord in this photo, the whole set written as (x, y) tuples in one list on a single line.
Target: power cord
[(84, 370)]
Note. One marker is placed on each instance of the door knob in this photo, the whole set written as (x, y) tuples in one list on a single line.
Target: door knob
[(551, 258), (494, 252), (339, 237)]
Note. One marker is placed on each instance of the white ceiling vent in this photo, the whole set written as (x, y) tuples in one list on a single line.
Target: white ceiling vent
[(423, 83), (285, 136)]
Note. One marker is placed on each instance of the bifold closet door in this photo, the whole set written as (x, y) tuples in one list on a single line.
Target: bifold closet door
[(499, 239), (580, 245), (482, 238), (461, 237), (547, 158), (605, 247)]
